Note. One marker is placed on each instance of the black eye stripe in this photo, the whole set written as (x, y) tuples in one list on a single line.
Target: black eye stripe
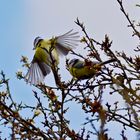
[(76, 60), (73, 62), (37, 41)]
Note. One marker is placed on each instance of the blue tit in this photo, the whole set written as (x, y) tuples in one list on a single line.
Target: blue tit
[(47, 52), (85, 69)]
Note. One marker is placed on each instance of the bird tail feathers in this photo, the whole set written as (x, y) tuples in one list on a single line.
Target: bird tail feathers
[(108, 61)]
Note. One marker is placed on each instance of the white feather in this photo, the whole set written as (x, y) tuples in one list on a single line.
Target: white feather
[(67, 42), (34, 75)]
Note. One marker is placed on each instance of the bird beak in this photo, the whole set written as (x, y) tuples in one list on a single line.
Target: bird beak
[(33, 48)]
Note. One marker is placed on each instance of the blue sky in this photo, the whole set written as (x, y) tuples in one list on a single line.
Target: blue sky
[(22, 21)]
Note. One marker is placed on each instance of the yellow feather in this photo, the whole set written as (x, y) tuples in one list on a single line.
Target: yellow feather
[(85, 72), (43, 53)]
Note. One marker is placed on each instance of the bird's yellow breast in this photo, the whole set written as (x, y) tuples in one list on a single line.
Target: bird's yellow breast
[(84, 72), (43, 53), (40, 55)]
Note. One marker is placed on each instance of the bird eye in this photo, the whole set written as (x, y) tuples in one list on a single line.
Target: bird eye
[(36, 41)]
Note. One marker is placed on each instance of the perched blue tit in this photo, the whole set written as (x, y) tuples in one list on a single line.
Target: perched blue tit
[(47, 53), (85, 69)]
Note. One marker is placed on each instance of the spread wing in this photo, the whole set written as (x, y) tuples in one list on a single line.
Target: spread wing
[(37, 73), (66, 42)]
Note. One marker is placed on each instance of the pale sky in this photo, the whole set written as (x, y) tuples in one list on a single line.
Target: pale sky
[(22, 21)]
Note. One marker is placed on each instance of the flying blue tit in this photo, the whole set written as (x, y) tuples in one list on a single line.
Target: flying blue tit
[(47, 53), (85, 69)]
